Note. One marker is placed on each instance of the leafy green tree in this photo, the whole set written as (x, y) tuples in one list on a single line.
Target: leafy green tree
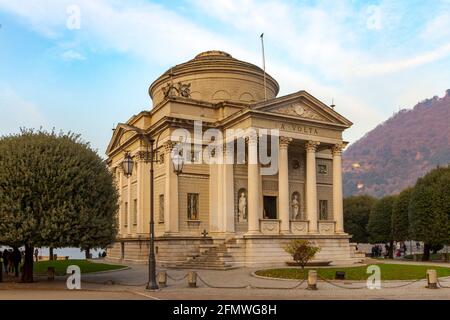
[(430, 209), (301, 251), (356, 216), (400, 213), (55, 191), (379, 226)]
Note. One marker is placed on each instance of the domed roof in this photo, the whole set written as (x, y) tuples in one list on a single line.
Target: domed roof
[(216, 76)]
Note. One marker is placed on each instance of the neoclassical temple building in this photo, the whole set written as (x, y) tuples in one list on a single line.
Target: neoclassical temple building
[(227, 215)]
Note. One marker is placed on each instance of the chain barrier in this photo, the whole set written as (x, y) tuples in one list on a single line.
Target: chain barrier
[(440, 285), (339, 285), (404, 284), (249, 286), (176, 279)]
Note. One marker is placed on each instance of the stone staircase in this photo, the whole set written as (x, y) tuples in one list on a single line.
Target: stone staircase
[(218, 256)]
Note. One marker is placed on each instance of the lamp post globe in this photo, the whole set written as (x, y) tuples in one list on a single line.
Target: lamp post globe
[(127, 164)]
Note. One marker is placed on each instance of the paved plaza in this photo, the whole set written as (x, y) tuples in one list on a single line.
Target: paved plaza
[(129, 284)]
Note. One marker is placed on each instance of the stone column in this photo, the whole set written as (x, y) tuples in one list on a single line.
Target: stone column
[(228, 190), (311, 186), (129, 225), (141, 168), (120, 189), (283, 184), (338, 211), (254, 181), (171, 215)]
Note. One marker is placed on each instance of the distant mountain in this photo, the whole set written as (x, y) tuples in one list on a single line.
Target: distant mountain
[(393, 155)]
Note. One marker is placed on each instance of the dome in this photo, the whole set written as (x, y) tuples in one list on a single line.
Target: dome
[(215, 76)]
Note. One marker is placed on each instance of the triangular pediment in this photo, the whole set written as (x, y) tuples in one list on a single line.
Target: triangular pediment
[(304, 106), (120, 135)]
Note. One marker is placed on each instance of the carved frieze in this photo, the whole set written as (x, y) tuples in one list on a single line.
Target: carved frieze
[(177, 90), (300, 110)]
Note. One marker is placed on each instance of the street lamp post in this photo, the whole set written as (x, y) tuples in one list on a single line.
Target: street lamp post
[(127, 165)]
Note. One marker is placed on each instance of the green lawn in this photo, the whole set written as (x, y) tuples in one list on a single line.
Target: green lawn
[(388, 272), (433, 256), (61, 266)]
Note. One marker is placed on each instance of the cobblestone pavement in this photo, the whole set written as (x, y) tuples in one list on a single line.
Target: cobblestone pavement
[(130, 284)]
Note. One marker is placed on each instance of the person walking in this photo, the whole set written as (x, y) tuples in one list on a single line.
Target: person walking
[(5, 260), (10, 261), (17, 259), (36, 254)]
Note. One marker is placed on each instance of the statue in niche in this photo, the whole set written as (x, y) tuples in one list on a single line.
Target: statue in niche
[(242, 205), (295, 204)]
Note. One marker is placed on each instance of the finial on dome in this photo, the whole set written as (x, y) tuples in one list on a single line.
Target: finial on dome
[(213, 53)]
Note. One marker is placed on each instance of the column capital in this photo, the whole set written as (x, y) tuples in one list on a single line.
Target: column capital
[(168, 146), (311, 146), (119, 168), (285, 141), (252, 138), (142, 156), (336, 150)]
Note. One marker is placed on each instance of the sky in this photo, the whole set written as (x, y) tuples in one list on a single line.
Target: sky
[(85, 65)]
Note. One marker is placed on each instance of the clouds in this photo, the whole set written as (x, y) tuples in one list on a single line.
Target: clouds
[(72, 55), (341, 50)]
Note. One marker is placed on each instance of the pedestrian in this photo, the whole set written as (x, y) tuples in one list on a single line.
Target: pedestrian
[(5, 260), (17, 259), (405, 248), (36, 254), (10, 261), (417, 245)]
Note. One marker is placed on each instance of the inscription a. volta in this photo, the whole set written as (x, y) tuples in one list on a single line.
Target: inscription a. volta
[(298, 128)]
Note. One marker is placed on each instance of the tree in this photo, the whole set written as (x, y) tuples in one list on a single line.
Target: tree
[(379, 226), (430, 209), (400, 213), (356, 216), (55, 191), (301, 251)]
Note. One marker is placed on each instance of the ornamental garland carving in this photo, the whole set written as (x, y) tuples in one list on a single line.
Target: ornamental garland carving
[(303, 111), (177, 90)]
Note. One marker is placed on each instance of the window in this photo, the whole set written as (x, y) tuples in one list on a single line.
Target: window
[(323, 209), (135, 212), (323, 169), (192, 205), (125, 213), (161, 208)]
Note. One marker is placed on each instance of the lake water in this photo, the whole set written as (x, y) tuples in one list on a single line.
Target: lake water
[(72, 253)]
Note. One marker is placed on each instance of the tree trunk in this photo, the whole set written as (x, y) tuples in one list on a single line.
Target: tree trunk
[(87, 253), (391, 249), (27, 273), (50, 253), (426, 252)]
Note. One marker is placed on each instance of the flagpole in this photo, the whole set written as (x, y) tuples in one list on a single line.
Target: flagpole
[(264, 66)]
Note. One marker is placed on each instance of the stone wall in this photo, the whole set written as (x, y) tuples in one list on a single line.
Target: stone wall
[(255, 251)]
